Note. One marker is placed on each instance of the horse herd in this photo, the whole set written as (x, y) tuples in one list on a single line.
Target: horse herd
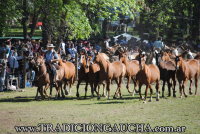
[(169, 67)]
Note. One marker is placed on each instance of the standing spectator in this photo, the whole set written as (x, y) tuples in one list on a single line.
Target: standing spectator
[(3, 61), (79, 46), (13, 61)]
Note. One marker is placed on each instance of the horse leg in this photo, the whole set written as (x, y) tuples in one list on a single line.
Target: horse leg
[(120, 82), (184, 88), (51, 89), (92, 88), (151, 92), (180, 88), (41, 92), (146, 91), (174, 89), (57, 91), (157, 91), (36, 96), (104, 91), (108, 88), (77, 87), (163, 89), (45, 90), (140, 86), (190, 88), (60, 85), (135, 86), (86, 88), (196, 84), (117, 90), (169, 88), (65, 85), (128, 82), (95, 87), (98, 95)]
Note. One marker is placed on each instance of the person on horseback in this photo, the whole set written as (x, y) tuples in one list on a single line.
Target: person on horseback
[(158, 44), (49, 56)]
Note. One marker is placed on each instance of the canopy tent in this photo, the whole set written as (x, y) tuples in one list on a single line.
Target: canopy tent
[(129, 40), (126, 37)]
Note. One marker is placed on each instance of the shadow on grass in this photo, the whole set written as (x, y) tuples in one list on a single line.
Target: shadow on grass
[(110, 102), (18, 99)]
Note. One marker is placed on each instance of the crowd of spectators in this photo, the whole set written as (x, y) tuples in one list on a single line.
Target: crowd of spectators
[(13, 52)]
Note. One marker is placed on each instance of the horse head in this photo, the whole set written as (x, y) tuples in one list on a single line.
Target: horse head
[(39, 61), (85, 61), (178, 61)]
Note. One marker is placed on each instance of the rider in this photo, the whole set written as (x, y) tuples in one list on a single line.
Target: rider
[(158, 44), (49, 56)]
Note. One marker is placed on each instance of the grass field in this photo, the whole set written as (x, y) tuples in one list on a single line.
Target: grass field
[(20, 108)]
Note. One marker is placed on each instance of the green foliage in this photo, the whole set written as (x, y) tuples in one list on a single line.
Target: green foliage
[(81, 17), (7, 12), (168, 18)]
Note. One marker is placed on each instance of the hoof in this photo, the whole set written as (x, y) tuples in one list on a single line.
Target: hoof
[(190, 93), (157, 99), (144, 102), (103, 95), (186, 96), (77, 95), (174, 95), (66, 92), (169, 95), (150, 100), (98, 98), (114, 97)]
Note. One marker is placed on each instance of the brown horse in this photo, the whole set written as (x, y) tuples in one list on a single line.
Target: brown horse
[(110, 71), (42, 77), (147, 75), (88, 73), (65, 73), (167, 72), (132, 68), (187, 70)]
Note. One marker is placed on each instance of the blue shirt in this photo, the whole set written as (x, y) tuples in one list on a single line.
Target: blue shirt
[(50, 55), (158, 44)]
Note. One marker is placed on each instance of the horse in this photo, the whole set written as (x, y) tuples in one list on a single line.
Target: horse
[(110, 71), (83, 73), (42, 76), (187, 70), (66, 73), (147, 75), (89, 72), (132, 68), (167, 72)]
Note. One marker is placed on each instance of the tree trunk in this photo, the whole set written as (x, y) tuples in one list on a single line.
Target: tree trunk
[(34, 22), (195, 28), (104, 28), (25, 19)]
